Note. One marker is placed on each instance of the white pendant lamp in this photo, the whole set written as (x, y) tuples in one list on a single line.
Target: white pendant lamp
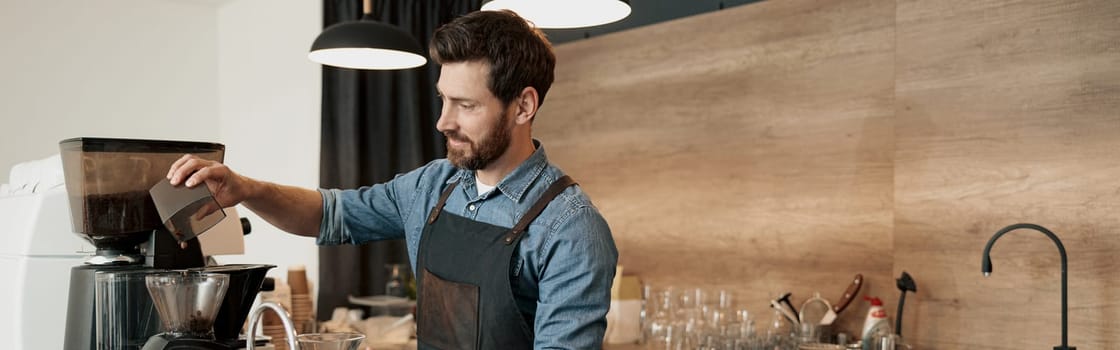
[(560, 14), (366, 44)]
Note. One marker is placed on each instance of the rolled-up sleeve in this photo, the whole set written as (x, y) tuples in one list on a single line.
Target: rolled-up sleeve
[(330, 229), (578, 267)]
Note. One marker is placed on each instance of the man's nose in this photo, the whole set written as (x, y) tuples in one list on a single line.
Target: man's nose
[(446, 121)]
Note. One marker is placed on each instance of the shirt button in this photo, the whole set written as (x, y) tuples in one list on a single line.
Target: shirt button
[(471, 207)]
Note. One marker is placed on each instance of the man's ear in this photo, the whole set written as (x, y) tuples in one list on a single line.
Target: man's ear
[(526, 103)]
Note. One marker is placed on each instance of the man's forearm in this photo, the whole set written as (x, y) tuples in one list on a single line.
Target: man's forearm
[(292, 209)]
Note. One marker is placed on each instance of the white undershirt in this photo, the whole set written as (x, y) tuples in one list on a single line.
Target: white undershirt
[(483, 188)]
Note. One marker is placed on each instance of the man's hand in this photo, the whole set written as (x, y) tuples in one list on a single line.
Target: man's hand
[(228, 188), (289, 208)]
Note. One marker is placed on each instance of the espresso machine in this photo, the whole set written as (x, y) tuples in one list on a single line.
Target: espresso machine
[(111, 302)]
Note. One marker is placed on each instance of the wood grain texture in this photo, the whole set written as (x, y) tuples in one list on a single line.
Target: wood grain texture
[(786, 145), (1007, 112), (749, 149)]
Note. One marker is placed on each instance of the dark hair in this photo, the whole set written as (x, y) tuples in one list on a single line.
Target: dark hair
[(519, 54)]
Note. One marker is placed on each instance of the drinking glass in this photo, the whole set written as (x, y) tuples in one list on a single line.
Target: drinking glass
[(329, 341)]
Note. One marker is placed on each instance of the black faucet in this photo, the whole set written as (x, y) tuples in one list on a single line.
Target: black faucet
[(986, 267)]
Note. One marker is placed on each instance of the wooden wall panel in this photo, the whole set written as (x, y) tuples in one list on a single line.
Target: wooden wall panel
[(1008, 111), (786, 145), (749, 149)]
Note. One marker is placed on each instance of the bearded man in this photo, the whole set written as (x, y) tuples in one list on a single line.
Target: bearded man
[(508, 251)]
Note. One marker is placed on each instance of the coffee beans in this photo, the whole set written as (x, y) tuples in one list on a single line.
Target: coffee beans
[(119, 213)]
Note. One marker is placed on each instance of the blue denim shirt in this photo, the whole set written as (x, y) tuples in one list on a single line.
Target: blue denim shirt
[(563, 269)]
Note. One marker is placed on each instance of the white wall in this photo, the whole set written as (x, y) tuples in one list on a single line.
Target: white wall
[(233, 72), (120, 68), (269, 98)]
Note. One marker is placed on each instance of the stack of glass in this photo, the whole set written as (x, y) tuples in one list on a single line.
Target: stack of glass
[(700, 319)]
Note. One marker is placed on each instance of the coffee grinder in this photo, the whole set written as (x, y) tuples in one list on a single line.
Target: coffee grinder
[(109, 306)]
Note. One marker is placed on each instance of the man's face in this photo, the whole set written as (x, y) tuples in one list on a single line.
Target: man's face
[(476, 125)]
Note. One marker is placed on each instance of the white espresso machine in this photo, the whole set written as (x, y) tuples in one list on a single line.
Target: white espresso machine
[(37, 250)]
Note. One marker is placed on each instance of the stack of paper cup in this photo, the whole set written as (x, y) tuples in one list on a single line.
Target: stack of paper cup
[(273, 327), (303, 311)]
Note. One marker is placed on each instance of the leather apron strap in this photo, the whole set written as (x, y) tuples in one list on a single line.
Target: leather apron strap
[(553, 190)]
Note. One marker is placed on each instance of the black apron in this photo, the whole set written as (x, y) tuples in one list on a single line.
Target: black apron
[(464, 299)]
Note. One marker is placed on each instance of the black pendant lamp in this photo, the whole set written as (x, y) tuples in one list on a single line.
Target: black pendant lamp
[(367, 44)]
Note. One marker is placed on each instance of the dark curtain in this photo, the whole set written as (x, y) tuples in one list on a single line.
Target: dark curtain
[(376, 124)]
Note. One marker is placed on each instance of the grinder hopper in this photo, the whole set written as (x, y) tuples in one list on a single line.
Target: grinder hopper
[(108, 180)]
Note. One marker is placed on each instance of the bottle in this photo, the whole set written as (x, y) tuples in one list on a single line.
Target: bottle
[(395, 287), (876, 325)]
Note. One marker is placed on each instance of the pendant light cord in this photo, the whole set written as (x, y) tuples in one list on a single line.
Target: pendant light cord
[(367, 9)]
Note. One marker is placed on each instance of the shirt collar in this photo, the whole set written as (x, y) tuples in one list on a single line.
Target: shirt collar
[(517, 182)]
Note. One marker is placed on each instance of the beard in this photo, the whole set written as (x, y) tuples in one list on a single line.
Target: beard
[(481, 153)]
